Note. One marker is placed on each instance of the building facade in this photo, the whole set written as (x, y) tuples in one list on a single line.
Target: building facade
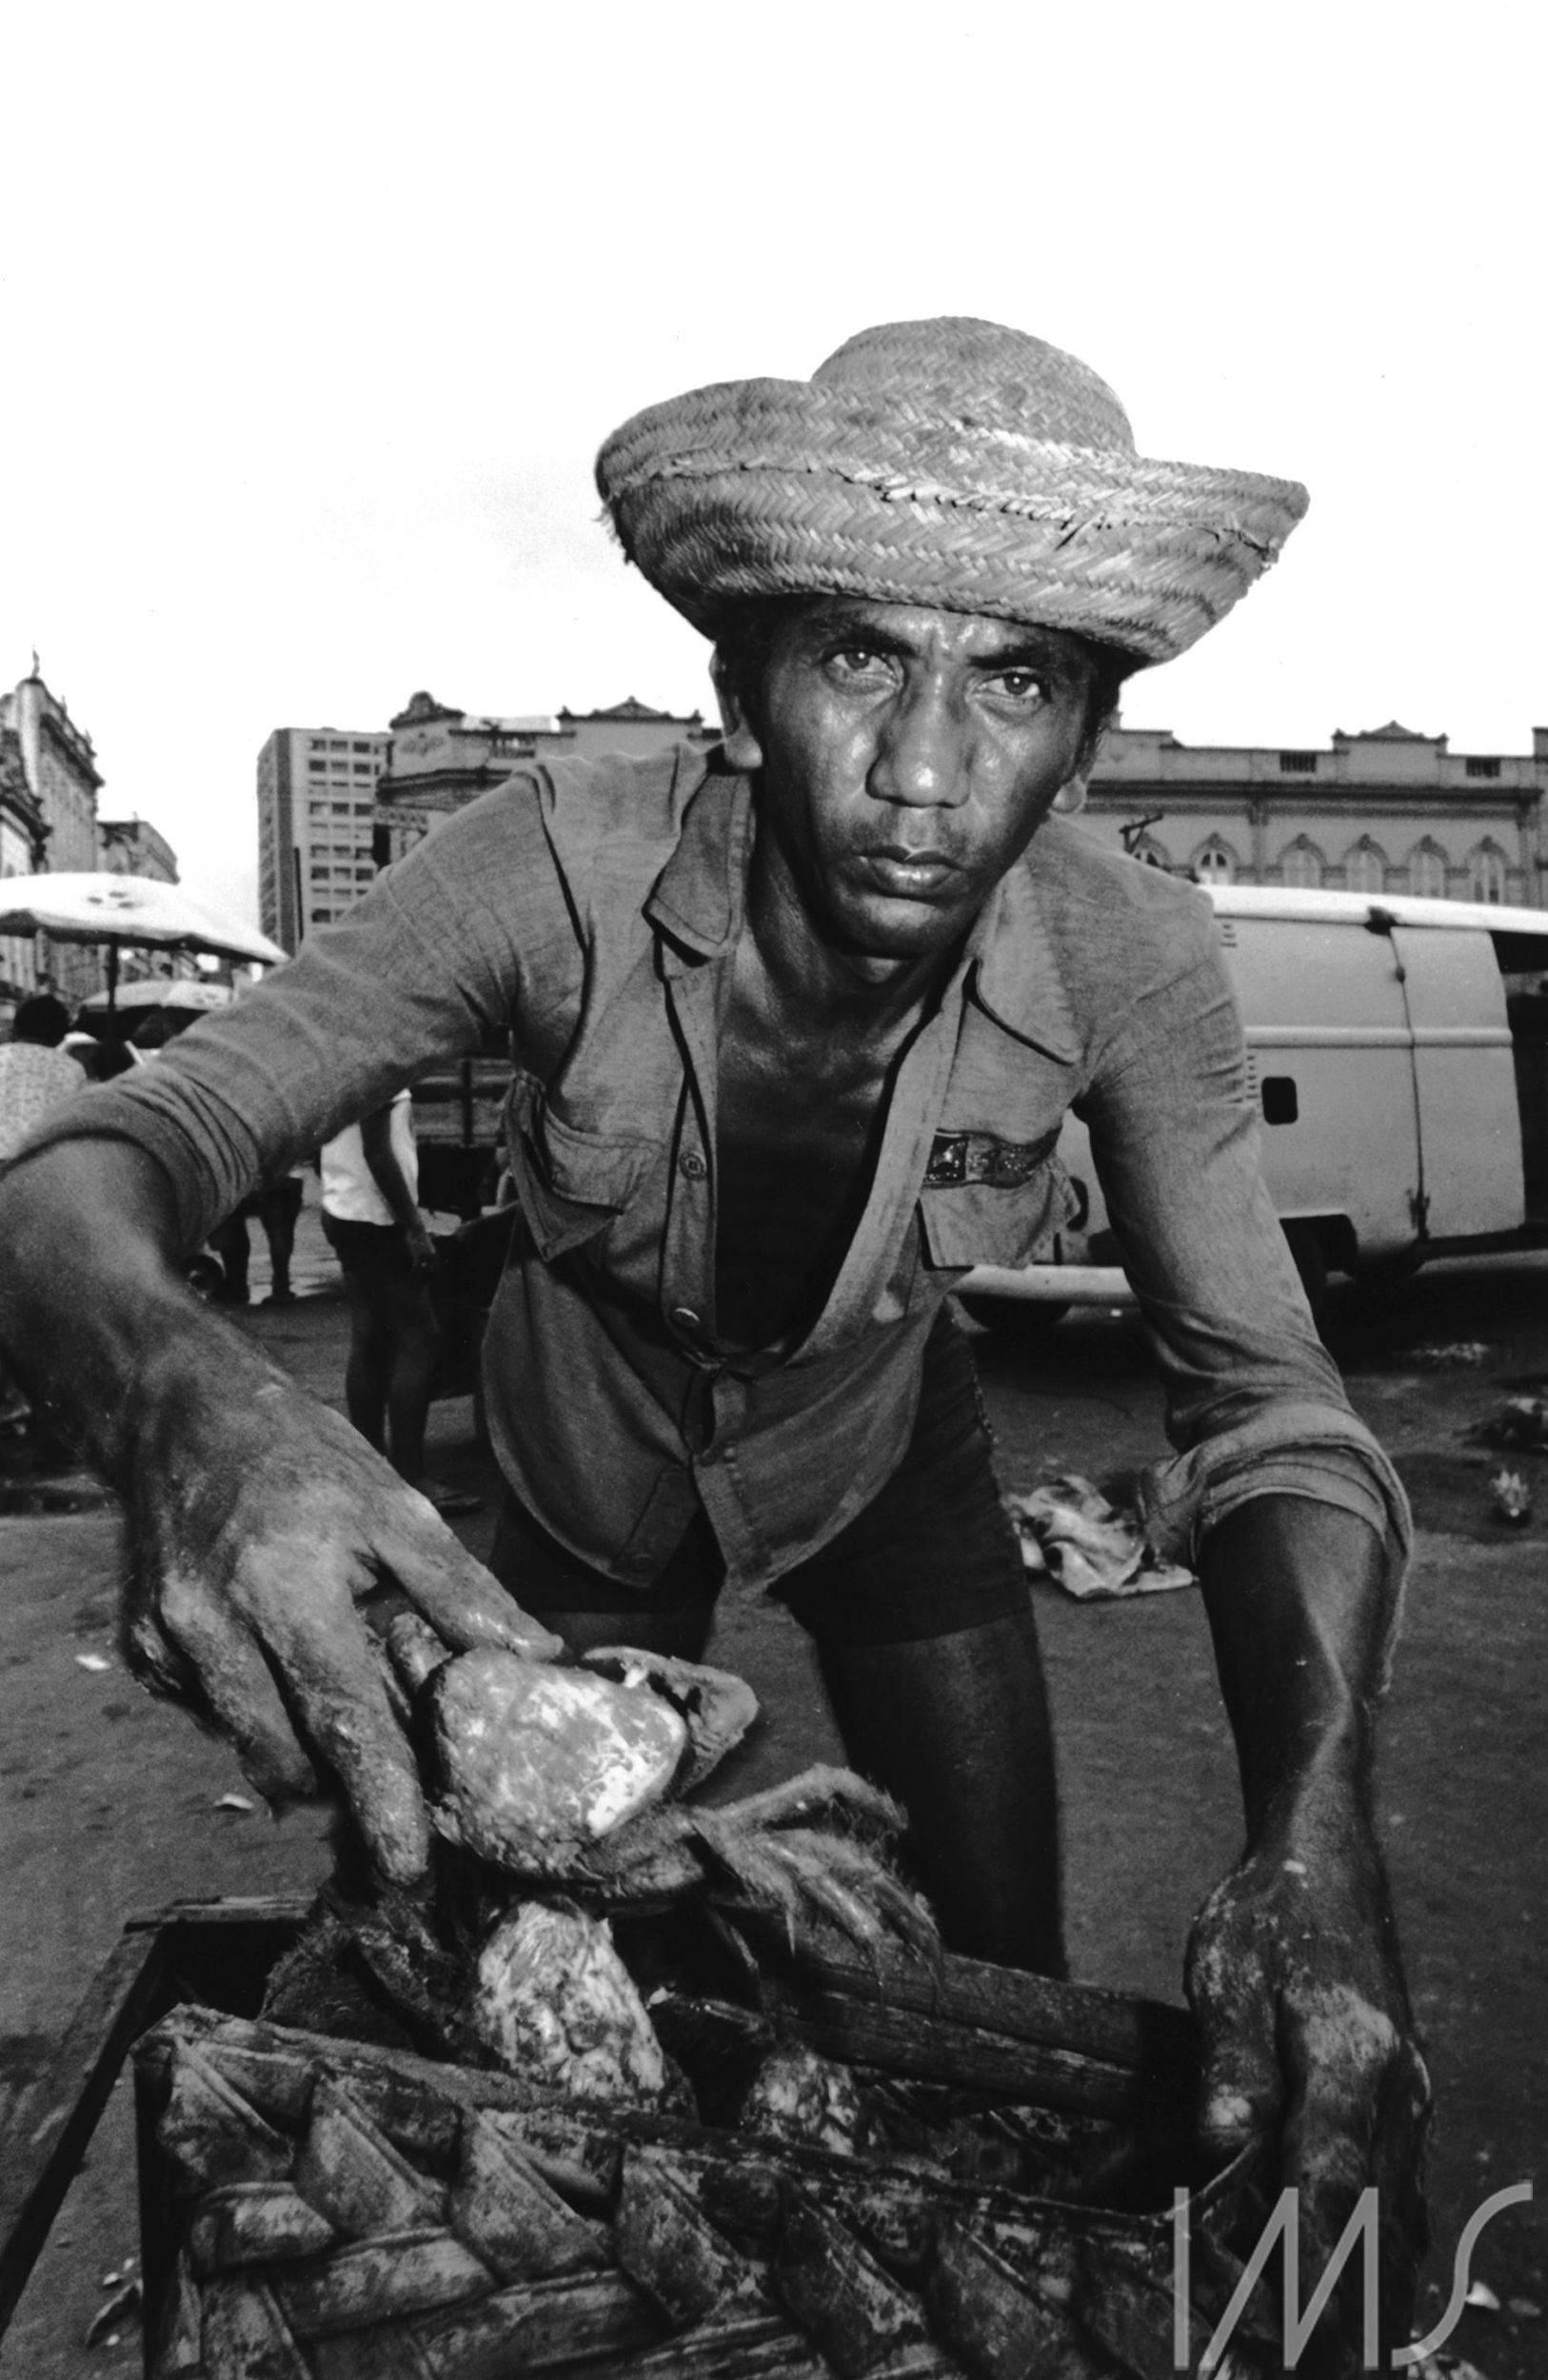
[(1385, 810), (441, 758), (58, 768), (316, 825), (131, 846)]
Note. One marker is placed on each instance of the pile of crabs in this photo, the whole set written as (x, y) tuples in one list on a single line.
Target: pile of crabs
[(562, 1801)]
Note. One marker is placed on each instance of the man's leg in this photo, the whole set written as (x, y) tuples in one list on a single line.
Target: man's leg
[(231, 1243), (367, 1366), (277, 1211), (923, 1627), (409, 1320), (955, 1728)]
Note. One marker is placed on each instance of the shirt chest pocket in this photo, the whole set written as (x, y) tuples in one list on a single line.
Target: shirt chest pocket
[(985, 1200), (571, 1182)]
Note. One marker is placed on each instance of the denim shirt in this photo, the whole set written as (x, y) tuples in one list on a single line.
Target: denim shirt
[(594, 910)]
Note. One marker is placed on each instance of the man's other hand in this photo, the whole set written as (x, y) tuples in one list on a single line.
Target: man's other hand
[(260, 1522), (1308, 2039)]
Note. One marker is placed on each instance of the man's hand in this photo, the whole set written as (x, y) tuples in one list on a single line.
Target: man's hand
[(1293, 1965), (259, 1523), (258, 1520), (1293, 1976)]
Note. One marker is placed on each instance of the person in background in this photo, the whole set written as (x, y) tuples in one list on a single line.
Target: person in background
[(276, 1205), (372, 1222), (100, 1061), (35, 1074)]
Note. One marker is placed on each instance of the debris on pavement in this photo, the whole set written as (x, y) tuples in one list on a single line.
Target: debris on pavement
[(95, 1663), (1071, 1534), (1521, 1424), (233, 1801), (103, 2328), (1512, 1497), (1451, 1354)]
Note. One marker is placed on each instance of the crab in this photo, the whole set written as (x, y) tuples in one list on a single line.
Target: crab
[(567, 1778), (559, 1797)]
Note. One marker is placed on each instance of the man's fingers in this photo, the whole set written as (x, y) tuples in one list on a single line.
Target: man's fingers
[(230, 1674), (331, 1670), (1359, 2108), (464, 1605), (1242, 2090)]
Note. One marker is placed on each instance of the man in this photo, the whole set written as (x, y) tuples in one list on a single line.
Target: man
[(372, 1223), (795, 1024), (35, 1073)]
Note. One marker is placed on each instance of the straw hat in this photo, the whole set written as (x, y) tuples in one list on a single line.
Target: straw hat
[(952, 463)]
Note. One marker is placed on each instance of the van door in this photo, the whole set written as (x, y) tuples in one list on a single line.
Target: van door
[(1330, 1054), (1464, 1076)]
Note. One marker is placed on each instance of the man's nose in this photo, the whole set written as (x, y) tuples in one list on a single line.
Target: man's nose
[(920, 756)]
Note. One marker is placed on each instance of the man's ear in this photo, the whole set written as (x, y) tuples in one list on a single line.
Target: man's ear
[(743, 747), (1071, 794)]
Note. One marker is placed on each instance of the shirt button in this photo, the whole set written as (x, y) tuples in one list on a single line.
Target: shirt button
[(684, 1317), (694, 1165)]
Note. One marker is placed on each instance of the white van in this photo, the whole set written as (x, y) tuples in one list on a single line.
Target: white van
[(1399, 1050)]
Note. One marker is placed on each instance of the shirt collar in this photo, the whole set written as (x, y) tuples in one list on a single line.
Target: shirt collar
[(1015, 976), (700, 897)]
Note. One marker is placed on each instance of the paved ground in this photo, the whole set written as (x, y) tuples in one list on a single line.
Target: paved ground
[(110, 1803)]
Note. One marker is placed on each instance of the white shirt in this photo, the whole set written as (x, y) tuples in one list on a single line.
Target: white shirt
[(349, 1188)]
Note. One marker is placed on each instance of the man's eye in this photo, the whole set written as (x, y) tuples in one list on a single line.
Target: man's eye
[(855, 661), (1022, 685)]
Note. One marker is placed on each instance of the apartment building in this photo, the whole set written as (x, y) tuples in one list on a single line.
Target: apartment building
[(316, 815)]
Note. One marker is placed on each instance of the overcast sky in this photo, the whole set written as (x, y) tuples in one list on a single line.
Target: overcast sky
[(315, 316)]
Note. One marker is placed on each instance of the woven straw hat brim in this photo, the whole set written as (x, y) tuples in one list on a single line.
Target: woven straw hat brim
[(764, 487)]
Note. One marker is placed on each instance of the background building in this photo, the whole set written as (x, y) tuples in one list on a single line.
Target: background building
[(48, 824), (131, 846), (316, 814), (1386, 810), (440, 758), (60, 771), (23, 844)]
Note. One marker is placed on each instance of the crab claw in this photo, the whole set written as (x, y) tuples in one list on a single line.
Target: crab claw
[(814, 1877)]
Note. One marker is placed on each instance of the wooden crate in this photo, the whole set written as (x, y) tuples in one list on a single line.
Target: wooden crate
[(314, 2209)]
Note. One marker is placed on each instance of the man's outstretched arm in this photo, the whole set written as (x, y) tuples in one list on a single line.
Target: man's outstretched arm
[(1294, 1966), (258, 1518)]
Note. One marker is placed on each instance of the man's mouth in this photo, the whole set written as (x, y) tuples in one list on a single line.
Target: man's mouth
[(906, 875)]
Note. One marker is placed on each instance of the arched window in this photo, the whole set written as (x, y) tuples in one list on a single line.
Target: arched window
[(1216, 863), (1148, 850), (1300, 864), (1486, 873), (1427, 870), (1366, 866)]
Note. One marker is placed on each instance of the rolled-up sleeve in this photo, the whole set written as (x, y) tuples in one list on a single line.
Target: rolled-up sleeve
[(431, 959), (1254, 1403)]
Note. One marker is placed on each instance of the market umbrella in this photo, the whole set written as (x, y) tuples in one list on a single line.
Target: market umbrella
[(150, 998), (139, 911)]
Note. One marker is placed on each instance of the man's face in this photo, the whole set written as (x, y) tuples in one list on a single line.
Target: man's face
[(907, 757)]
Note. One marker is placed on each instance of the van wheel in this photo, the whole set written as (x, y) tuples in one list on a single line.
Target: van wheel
[(1310, 1260), (1021, 1322)]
